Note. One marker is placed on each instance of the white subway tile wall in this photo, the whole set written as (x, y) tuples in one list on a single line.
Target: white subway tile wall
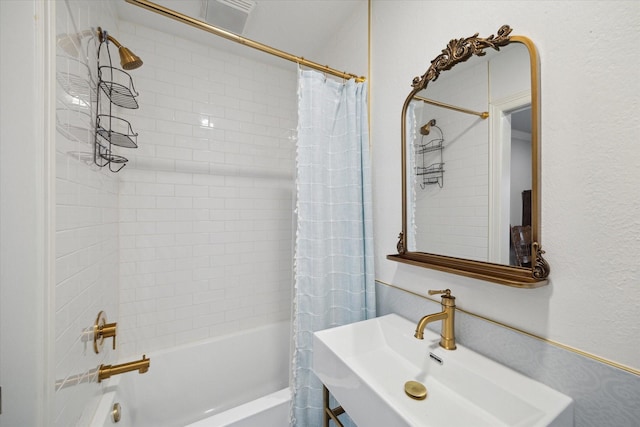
[(206, 202), (86, 238), (453, 220), (193, 239)]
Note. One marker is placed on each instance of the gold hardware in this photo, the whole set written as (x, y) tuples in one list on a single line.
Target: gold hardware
[(177, 16), (415, 390), (102, 330), (457, 51), (107, 371), (400, 245), (447, 315), (481, 114), (426, 129), (116, 412), (447, 292), (128, 60), (330, 414)]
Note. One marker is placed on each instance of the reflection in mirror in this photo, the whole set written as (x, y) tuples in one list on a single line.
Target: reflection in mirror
[(519, 203), (471, 216), (470, 163)]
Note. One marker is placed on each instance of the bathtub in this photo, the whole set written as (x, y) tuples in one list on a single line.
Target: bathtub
[(238, 380)]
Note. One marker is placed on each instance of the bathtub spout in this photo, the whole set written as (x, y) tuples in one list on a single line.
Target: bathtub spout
[(107, 371)]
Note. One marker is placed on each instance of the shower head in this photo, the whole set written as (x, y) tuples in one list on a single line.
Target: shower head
[(424, 130), (128, 59)]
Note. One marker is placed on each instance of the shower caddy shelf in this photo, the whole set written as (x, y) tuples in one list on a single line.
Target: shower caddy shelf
[(117, 86), (431, 173)]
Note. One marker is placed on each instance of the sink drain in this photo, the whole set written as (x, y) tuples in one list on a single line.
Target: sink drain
[(415, 390)]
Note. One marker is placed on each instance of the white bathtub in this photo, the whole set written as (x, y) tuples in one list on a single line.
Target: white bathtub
[(237, 380)]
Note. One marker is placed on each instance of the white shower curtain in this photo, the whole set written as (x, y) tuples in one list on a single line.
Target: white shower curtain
[(334, 277)]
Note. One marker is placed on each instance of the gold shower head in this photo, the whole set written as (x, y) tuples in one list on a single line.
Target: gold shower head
[(424, 130), (128, 59)]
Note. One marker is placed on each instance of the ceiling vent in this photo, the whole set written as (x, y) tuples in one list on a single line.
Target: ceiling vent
[(230, 15)]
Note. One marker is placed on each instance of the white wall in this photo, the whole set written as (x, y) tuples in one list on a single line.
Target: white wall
[(25, 213), (347, 50), (590, 208), (206, 208), (86, 199)]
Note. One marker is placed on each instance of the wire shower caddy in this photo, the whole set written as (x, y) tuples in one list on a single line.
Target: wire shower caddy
[(111, 130), (429, 163)]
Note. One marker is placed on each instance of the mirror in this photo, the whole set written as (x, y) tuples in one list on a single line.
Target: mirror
[(470, 163)]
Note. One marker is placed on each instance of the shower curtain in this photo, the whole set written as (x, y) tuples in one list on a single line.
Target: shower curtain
[(412, 230), (334, 277)]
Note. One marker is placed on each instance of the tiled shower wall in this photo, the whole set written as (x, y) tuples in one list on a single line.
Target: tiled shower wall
[(453, 218), (86, 238), (206, 210), (194, 237)]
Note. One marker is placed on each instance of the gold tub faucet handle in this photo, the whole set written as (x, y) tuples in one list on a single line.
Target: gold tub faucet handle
[(102, 330)]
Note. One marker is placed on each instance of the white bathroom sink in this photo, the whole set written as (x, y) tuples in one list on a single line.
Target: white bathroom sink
[(366, 364)]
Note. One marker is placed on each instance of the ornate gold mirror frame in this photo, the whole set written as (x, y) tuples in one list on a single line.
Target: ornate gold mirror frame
[(457, 51)]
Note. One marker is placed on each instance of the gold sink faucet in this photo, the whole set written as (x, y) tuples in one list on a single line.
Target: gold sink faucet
[(106, 371), (447, 315)]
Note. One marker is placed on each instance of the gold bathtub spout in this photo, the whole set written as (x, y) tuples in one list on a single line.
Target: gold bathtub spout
[(447, 315), (107, 371)]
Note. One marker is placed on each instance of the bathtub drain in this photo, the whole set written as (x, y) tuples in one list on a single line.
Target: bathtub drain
[(116, 413)]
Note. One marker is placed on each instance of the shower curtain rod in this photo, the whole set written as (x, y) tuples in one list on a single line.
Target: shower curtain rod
[(482, 114), (154, 7)]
